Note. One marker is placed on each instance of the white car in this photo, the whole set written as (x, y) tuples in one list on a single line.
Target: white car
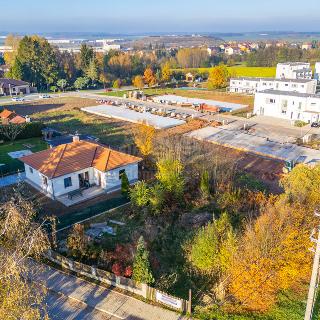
[(17, 99), (44, 96)]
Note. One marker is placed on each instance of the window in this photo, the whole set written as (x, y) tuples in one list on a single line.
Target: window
[(300, 105), (121, 172), (271, 100), (286, 84), (67, 182), (31, 170)]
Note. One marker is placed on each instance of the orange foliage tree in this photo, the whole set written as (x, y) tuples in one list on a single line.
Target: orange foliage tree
[(149, 77)]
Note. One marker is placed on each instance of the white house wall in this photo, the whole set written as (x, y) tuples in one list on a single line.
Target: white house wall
[(287, 107), (111, 178)]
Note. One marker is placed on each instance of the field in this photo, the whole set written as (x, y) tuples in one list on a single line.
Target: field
[(64, 114), (240, 71), (202, 94), (12, 165)]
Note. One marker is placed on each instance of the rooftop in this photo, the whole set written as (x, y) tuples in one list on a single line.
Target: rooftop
[(294, 63), (288, 93), (274, 79), (6, 82), (68, 158)]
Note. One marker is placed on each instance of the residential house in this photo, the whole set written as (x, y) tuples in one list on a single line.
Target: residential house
[(9, 87), (232, 50), (7, 116), (288, 105), (294, 70), (68, 168), (306, 46), (189, 77), (252, 85)]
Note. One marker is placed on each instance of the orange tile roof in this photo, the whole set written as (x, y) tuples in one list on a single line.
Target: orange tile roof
[(75, 156), (17, 120), (5, 114)]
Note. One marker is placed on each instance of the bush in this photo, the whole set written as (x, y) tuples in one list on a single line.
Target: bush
[(300, 123)]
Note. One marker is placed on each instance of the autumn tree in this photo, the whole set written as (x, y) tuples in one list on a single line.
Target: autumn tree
[(117, 84), (21, 237), (301, 185), (141, 265), (81, 83), (149, 77), (192, 57), (218, 77), (138, 82), (273, 255), (77, 241), (166, 72), (13, 42), (143, 138)]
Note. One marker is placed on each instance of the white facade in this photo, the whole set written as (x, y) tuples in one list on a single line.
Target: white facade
[(253, 85), (294, 70), (317, 71), (109, 180), (291, 106)]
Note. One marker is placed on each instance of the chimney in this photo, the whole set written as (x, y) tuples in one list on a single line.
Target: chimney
[(75, 138)]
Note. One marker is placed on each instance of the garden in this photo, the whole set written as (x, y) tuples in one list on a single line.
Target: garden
[(201, 224)]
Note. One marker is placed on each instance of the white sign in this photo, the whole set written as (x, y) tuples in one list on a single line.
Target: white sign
[(175, 303)]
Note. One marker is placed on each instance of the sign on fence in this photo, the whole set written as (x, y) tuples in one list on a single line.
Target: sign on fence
[(169, 301)]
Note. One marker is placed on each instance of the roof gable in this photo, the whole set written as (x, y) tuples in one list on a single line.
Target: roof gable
[(76, 156)]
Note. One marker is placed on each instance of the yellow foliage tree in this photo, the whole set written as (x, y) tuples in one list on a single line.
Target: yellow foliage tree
[(143, 138), (138, 82), (149, 77), (10, 56), (166, 72), (218, 77), (273, 257)]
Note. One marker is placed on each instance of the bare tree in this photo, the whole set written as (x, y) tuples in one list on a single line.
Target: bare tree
[(21, 237), (11, 130)]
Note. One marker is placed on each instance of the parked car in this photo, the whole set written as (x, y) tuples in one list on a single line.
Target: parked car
[(315, 124), (108, 89), (44, 96), (17, 99)]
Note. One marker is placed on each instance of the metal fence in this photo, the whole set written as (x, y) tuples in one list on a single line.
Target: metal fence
[(123, 283)]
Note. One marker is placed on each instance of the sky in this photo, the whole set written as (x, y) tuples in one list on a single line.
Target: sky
[(148, 16)]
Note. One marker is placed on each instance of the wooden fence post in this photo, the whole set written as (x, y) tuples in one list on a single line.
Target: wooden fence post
[(190, 302)]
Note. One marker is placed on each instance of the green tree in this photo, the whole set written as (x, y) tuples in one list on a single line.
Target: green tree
[(218, 77), (38, 61), (205, 184), (125, 184), (92, 71), (16, 71), (81, 83), (157, 198), (139, 194), (62, 83), (141, 265), (86, 56), (213, 246), (170, 175), (116, 84)]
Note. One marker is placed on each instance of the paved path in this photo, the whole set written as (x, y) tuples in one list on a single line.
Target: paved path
[(12, 179), (94, 300)]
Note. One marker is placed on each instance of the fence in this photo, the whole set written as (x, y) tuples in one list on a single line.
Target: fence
[(123, 283)]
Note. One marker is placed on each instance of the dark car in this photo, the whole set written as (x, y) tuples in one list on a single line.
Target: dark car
[(315, 124)]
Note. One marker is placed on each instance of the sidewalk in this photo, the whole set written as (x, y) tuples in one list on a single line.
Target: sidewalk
[(113, 304)]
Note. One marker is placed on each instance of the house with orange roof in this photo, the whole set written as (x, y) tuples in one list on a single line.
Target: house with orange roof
[(71, 168), (7, 116)]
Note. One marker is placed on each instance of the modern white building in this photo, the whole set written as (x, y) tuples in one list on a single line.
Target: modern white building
[(288, 105), (294, 70), (78, 165), (317, 71), (253, 85)]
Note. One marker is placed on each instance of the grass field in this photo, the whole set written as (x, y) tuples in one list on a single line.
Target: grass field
[(12, 165), (202, 94), (240, 71)]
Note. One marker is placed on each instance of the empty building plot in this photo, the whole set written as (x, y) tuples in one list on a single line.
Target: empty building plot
[(257, 145), (123, 113), (222, 105)]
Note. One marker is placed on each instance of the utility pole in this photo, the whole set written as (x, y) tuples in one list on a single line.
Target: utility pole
[(314, 276)]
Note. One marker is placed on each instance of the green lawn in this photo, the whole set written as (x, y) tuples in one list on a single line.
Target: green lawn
[(240, 71), (111, 132), (12, 165)]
